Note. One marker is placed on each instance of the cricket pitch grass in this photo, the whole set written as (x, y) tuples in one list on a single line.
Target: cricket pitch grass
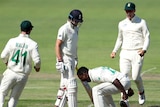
[(97, 37)]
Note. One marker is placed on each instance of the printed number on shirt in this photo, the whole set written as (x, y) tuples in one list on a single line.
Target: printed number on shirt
[(19, 57), (110, 69)]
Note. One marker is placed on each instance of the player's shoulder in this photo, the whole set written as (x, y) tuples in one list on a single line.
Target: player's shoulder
[(13, 39), (143, 20), (33, 42), (123, 20), (140, 20), (65, 25), (27, 40)]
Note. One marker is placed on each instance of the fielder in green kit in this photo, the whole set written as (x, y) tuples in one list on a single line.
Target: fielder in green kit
[(18, 55), (134, 39), (109, 82)]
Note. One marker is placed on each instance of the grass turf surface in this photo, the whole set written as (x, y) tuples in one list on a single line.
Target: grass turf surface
[(96, 40)]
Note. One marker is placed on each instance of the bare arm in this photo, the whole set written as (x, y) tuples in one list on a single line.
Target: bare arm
[(88, 89), (118, 84), (58, 49)]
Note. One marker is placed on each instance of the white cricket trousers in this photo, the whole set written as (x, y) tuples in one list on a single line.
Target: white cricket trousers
[(130, 60), (14, 82), (69, 81), (102, 93)]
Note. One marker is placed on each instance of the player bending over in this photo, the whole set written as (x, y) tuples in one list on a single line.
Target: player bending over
[(111, 82)]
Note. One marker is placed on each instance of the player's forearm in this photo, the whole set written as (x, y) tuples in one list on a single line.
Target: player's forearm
[(117, 83), (4, 56), (117, 45), (146, 36), (146, 43), (58, 51), (58, 55)]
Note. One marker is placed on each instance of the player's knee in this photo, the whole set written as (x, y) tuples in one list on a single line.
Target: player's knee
[(72, 92), (72, 86), (96, 90), (137, 78)]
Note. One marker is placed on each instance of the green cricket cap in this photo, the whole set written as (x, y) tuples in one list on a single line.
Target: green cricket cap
[(129, 6), (26, 25)]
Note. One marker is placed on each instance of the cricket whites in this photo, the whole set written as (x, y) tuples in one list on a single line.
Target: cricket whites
[(87, 88)]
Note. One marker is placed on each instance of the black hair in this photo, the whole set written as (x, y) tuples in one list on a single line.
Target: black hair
[(27, 29), (82, 70)]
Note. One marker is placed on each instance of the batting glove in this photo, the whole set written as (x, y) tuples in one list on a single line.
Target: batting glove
[(60, 67)]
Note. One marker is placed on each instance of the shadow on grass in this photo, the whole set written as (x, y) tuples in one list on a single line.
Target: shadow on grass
[(81, 103), (154, 106)]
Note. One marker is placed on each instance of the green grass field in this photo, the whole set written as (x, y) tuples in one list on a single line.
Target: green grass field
[(96, 41)]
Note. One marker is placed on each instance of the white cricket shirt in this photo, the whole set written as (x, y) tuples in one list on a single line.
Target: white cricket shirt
[(104, 74), (19, 52), (133, 34), (69, 35)]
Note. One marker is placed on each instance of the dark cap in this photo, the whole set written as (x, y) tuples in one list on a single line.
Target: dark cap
[(26, 26), (76, 15), (129, 6)]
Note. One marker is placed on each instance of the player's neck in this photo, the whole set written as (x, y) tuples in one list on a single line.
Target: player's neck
[(24, 33)]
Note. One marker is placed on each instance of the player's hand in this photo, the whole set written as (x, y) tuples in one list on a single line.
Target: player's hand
[(60, 67), (113, 55), (125, 96), (130, 92), (6, 63), (141, 52), (36, 69)]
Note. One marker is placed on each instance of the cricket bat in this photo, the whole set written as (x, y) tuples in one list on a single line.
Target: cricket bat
[(87, 88)]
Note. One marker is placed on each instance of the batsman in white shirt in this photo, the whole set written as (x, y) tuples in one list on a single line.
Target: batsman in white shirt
[(109, 82), (67, 59), (133, 38), (18, 55)]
